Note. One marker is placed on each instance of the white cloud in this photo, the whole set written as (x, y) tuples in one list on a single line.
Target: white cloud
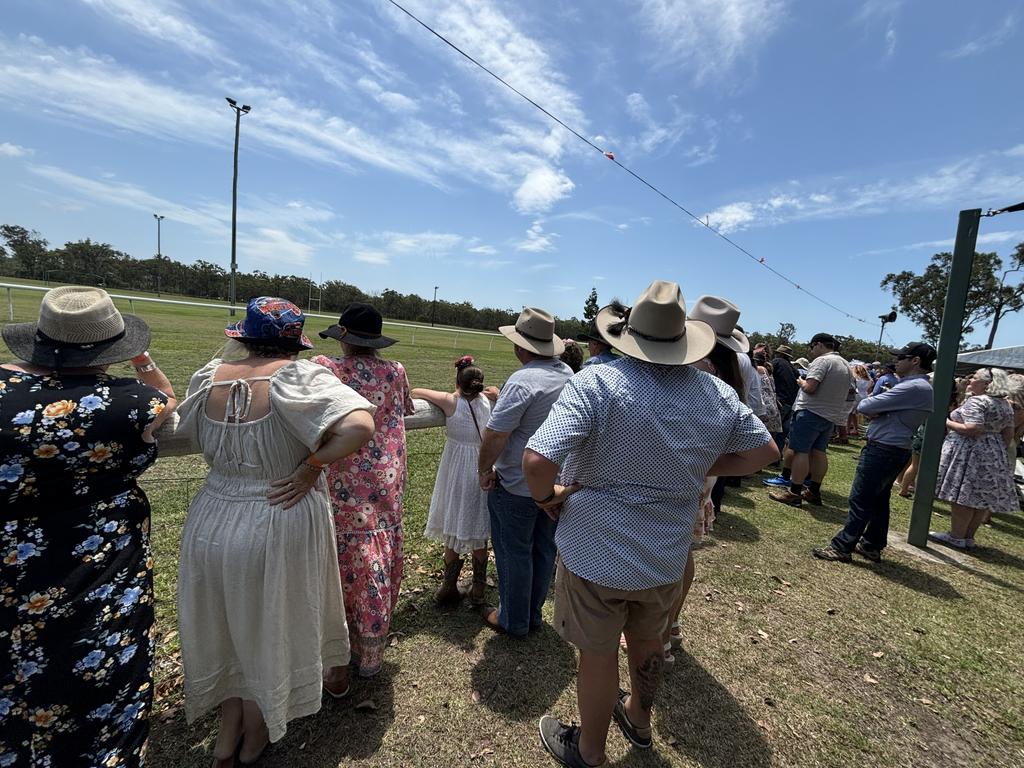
[(391, 100), (13, 150), (542, 267), (371, 257), (484, 250), (970, 182), (890, 42), (161, 20), (989, 238), (655, 134), (709, 37), (537, 240), (542, 188), (988, 41), (1017, 151)]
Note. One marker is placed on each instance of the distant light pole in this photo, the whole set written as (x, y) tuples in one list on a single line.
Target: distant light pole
[(433, 310), (158, 253), (239, 111), (890, 318)]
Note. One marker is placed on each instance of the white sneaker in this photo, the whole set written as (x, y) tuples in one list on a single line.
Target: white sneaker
[(947, 539)]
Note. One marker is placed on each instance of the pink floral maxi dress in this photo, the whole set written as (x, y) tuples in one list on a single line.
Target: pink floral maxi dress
[(366, 492)]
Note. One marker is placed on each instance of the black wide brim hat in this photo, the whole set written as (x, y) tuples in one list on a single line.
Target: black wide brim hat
[(359, 325), (25, 341)]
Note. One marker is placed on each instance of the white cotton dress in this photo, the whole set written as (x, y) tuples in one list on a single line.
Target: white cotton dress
[(458, 508), (260, 608)]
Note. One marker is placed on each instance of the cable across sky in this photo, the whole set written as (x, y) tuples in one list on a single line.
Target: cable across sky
[(611, 156)]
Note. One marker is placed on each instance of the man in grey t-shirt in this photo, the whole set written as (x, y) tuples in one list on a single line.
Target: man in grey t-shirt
[(821, 404)]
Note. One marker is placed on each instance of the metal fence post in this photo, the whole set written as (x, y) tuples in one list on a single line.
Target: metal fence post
[(10, 305), (942, 383)]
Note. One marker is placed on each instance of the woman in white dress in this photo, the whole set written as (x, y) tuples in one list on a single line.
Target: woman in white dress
[(458, 508), (260, 607)]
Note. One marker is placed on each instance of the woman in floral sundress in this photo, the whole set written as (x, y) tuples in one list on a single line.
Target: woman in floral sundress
[(366, 488), (76, 581)]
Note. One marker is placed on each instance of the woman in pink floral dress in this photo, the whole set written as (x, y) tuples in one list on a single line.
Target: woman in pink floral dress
[(366, 488)]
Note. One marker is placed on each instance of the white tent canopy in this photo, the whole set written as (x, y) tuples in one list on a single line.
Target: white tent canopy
[(1005, 357)]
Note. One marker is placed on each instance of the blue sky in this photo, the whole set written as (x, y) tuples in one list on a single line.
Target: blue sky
[(838, 140)]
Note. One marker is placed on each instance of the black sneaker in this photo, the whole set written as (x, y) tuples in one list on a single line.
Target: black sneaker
[(638, 737), (831, 553), (874, 555), (563, 743)]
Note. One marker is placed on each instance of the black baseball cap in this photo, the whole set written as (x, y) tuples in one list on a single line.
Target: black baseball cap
[(591, 335), (926, 352), (825, 338)]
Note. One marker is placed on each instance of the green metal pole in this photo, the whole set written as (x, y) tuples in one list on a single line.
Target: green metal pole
[(949, 347)]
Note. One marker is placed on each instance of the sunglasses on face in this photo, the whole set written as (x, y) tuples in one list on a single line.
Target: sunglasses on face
[(904, 357)]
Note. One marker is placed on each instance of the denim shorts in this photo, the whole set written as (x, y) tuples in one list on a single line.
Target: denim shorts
[(809, 432)]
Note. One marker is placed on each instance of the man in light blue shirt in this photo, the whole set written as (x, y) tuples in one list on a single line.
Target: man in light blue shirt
[(887, 379), (895, 415), (523, 536), (597, 347)]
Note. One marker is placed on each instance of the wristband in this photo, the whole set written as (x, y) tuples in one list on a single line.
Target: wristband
[(146, 368), (313, 461), (545, 501), (485, 471), (314, 467), (140, 359)]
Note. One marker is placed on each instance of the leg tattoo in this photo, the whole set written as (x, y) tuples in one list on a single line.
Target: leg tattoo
[(649, 676)]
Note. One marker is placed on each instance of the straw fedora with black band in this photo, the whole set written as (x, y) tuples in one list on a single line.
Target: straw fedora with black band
[(534, 331), (78, 327), (655, 329), (722, 315), (360, 325)]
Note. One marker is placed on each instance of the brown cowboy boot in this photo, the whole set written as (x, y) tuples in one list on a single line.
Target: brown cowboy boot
[(448, 595), (479, 589)]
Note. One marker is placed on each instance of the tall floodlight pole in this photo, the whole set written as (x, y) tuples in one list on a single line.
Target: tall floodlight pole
[(158, 253), (889, 318), (433, 309), (239, 111)]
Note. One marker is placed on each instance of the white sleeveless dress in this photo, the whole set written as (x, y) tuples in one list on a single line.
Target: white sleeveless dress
[(458, 508), (260, 608)]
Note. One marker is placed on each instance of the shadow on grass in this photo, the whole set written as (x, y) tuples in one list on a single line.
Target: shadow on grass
[(706, 722), (338, 731), (937, 552), (993, 556), (522, 679), (732, 527), (911, 578)]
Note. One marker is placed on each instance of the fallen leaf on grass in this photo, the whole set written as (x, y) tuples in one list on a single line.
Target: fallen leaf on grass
[(832, 611), (739, 606), (869, 679), (920, 631), (781, 581), (367, 705), (476, 697), (762, 634), (482, 753), (926, 702), (793, 641), (878, 654), (769, 701), (709, 596), (421, 569), (671, 741), (302, 746), (779, 592), (421, 719)]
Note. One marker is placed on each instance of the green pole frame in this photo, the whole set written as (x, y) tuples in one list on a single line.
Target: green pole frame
[(949, 347)]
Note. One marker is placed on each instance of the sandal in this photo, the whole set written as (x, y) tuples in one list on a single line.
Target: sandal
[(675, 636)]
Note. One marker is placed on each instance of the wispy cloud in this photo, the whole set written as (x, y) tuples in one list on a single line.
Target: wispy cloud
[(537, 240), (542, 188), (654, 135), (874, 12), (987, 41), (542, 267), (709, 37), (162, 20), (13, 150), (987, 239), (483, 250), (971, 181)]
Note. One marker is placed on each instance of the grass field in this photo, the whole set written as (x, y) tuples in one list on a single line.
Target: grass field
[(788, 661)]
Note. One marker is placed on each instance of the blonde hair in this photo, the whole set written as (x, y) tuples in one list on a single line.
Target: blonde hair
[(1016, 396), (998, 379), (861, 371)]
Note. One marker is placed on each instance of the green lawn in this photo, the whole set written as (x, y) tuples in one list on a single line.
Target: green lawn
[(789, 661)]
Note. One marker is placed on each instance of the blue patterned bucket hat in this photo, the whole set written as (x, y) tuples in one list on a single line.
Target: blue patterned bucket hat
[(272, 321)]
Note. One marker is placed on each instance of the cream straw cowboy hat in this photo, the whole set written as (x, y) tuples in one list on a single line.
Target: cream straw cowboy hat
[(534, 331), (722, 315), (78, 327), (655, 328)]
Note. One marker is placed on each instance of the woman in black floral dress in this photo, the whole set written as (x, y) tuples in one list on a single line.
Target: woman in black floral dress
[(76, 587)]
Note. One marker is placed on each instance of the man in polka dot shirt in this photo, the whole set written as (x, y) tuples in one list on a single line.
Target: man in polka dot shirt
[(636, 438)]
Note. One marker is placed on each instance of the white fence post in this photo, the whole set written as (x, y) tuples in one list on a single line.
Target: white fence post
[(10, 305)]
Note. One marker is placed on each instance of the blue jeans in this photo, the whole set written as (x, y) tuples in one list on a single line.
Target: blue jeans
[(868, 515), (523, 537)]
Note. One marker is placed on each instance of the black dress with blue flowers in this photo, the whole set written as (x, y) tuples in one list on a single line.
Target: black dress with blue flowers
[(76, 585)]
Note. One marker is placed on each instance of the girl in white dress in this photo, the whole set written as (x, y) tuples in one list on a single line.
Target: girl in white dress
[(458, 508)]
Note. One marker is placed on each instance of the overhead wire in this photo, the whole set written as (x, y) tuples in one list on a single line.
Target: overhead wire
[(611, 156)]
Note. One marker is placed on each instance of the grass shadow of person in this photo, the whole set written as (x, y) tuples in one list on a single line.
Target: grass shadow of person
[(344, 728), (911, 578), (459, 625), (994, 556), (731, 526), (522, 678), (703, 720)]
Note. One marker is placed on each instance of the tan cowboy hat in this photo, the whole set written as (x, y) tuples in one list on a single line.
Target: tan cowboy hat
[(655, 328), (534, 331), (802, 362), (722, 315), (78, 327)]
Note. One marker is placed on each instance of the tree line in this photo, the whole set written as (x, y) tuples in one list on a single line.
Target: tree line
[(26, 254)]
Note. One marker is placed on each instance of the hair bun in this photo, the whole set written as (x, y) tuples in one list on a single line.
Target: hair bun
[(462, 362)]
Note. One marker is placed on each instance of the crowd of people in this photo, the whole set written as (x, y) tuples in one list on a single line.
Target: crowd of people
[(600, 475)]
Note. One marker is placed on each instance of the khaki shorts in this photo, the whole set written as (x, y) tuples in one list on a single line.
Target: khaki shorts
[(592, 617)]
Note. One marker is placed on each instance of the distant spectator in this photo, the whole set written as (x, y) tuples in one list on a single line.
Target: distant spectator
[(784, 376), (572, 356), (597, 348), (887, 380)]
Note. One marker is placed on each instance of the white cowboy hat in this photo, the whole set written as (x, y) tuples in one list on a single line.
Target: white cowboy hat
[(534, 331), (722, 315), (655, 328)]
